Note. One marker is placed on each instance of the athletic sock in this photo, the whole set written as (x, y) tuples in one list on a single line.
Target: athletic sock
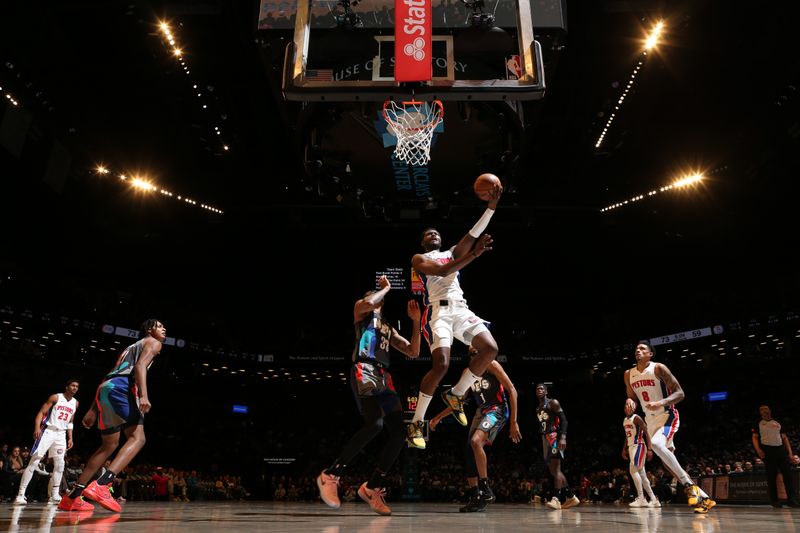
[(377, 480), (77, 491), (466, 381), (423, 400), (107, 478)]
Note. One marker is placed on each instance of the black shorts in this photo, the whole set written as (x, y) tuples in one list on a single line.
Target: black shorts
[(370, 381), (550, 447), (490, 421)]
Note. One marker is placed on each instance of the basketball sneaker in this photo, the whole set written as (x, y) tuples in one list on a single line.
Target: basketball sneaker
[(572, 501), (78, 504), (375, 499), (692, 494), (54, 500), (455, 403), (20, 500), (101, 495), (414, 437), (654, 504), (474, 505), (706, 504), (639, 502), (554, 503), (487, 496), (329, 489)]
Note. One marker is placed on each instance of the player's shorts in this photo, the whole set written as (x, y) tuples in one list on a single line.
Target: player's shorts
[(490, 421), (53, 441), (550, 447), (372, 381), (637, 454), (441, 323), (666, 424), (117, 404)]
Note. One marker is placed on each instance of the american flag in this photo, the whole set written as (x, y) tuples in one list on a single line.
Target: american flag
[(325, 74)]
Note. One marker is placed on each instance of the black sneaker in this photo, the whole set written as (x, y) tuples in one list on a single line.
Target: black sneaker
[(487, 495), (474, 505)]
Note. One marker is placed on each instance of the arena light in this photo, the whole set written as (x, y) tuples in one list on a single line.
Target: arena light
[(650, 42), (147, 186), (179, 54), (681, 183)]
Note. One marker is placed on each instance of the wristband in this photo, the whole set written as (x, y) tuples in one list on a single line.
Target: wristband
[(70, 425)]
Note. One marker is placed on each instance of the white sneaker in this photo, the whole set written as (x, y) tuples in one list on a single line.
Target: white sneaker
[(20, 500), (554, 504), (571, 502), (639, 502), (654, 504), (54, 500)]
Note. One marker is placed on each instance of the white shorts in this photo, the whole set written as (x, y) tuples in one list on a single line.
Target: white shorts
[(666, 424), (53, 441), (441, 323)]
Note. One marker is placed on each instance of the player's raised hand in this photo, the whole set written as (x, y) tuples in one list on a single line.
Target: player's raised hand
[(483, 244), (384, 282), (494, 196), (413, 311)]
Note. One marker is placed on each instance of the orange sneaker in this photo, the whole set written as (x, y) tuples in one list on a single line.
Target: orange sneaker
[(375, 499), (78, 504), (101, 495), (329, 489)]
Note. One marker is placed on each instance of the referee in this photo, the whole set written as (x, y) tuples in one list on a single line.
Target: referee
[(773, 446)]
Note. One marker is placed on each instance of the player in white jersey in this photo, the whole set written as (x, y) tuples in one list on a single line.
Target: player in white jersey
[(637, 447), (447, 316), (658, 391), (52, 434)]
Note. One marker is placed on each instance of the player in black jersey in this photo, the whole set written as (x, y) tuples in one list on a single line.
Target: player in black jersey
[(492, 409), (377, 400), (554, 442)]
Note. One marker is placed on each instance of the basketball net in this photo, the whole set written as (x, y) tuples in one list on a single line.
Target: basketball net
[(413, 124)]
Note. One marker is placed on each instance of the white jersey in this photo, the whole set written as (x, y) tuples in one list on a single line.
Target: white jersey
[(438, 287), (649, 388), (633, 433), (60, 414)]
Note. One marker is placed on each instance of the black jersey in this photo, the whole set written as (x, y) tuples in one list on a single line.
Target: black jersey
[(549, 419), (373, 335), (127, 361), (488, 391)]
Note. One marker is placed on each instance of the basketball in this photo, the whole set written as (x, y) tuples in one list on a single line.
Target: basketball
[(484, 185)]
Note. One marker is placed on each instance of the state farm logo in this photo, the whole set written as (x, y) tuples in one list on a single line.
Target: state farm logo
[(416, 49)]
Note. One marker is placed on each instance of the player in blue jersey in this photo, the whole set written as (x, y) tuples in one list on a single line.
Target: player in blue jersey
[(376, 397), (495, 404), (120, 405)]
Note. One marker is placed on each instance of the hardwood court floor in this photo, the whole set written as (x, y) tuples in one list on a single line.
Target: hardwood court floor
[(207, 517)]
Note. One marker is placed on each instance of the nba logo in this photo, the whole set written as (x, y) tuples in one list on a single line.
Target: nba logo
[(513, 68)]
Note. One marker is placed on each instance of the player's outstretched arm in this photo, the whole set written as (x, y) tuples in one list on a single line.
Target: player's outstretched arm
[(466, 243), (432, 268), (438, 418), (410, 348), (497, 370), (366, 305)]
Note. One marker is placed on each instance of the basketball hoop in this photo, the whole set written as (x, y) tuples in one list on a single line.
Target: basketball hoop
[(413, 124)]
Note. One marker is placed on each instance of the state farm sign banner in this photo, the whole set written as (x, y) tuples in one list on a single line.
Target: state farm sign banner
[(412, 40)]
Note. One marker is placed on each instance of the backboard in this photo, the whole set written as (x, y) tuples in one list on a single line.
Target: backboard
[(346, 52)]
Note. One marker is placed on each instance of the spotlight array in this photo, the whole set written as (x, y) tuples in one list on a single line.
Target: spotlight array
[(678, 184), (650, 43), (180, 55), (10, 97), (142, 184)]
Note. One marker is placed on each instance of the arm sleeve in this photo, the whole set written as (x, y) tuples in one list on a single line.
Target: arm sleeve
[(562, 427)]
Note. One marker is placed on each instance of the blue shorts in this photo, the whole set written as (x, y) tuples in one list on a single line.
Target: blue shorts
[(117, 405)]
